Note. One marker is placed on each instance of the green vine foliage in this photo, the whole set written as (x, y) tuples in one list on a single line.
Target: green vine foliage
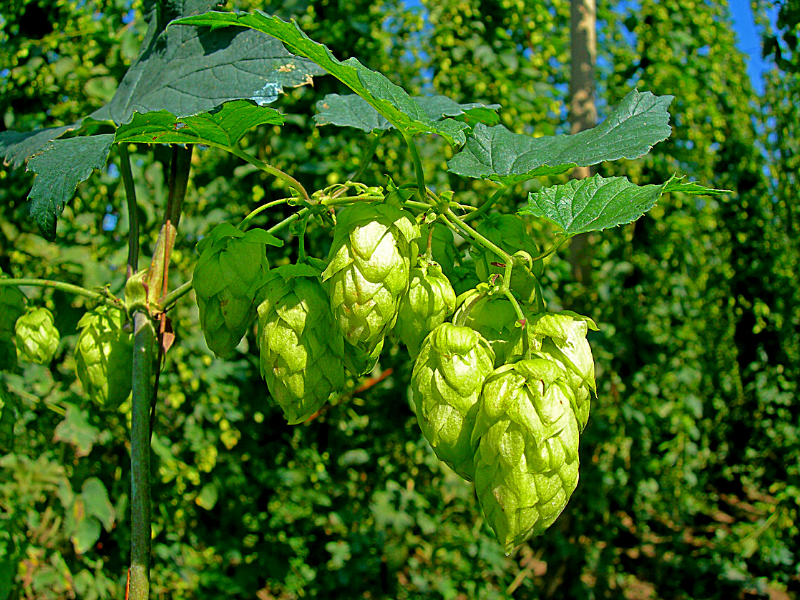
[(688, 484)]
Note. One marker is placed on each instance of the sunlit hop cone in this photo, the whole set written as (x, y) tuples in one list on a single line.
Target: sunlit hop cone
[(445, 386), (227, 276), (563, 337), (429, 301), (494, 317), (301, 348), (526, 466), (509, 233), (104, 356), (368, 270), (36, 336), (12, 307)]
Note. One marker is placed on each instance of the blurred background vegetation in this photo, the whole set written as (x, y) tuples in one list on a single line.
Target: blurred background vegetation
[(690, 477)]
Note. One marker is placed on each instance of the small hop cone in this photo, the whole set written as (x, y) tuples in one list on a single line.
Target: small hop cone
[(445, 387), (301, 351), (562, 336), (36, 336), (12, 307), (429, 301), (510, 234), (368, 270), (526, 466), (226, 279), (104, 356), (494, 317)]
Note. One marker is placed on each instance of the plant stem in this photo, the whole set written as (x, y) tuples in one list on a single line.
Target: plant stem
[(483, 241), (133, 208), (288, 220), (144, 339), (552, 248), (257, 162), (417, 166), (105, 298), (246, 221), (487, 205), (168, 301), (366, 158)]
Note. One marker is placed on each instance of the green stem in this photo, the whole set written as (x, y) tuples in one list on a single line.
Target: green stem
[(144, 339), (105, 298), (487, 205), (168, 301), (553, 248), (483, 241), (246, 221), (275, 172), (301, 249), (336, 200), (420, 173), (133, 208), (366, 158), (289, 220)]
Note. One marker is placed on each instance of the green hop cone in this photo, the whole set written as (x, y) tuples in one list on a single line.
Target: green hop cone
[(104, 356), (301, 350), (494, 317), (429, 301), (12, 307), (562, 336), (526, 465), (510, 234), (226, 279), (368, 270), (36, 336), (445, 387)]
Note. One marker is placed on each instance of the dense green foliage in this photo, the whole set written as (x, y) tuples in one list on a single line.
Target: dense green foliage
[(689, 473)]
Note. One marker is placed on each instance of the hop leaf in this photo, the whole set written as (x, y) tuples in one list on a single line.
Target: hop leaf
[(429, 301), (104, 356), (12, 307), (36, 336), (526, 466), (445, 386), (368, 270), (301, 353), (226, 279)]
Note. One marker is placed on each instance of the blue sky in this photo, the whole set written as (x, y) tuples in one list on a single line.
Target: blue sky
[(748, 41)]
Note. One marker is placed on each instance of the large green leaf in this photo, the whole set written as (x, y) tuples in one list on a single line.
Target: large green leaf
[(96, 502), (597, 203), (60, 168), (638, 123), (353, 111), (223, 126), (388, 99)]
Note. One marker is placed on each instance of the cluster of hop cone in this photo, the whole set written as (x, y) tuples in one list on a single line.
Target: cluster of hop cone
[(501, 400)]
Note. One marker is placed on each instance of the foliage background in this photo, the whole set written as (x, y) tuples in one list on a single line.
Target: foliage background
[(689, 478)]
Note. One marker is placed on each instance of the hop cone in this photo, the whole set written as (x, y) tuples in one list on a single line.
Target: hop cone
[(368, 270), (562, 336), (509, 233), (12, 307), (104, 356), (495, 319), (445, 387), (37, 337), (429, 301), (301, 351), (226, 280), (526, 466)]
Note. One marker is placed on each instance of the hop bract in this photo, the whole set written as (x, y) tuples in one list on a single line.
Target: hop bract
[(429, 301), (36, 336), (12, 307), (526, 466), (301, 349), (445, 386), (368, 270), (226, 280), (104, 356), (509, 233)]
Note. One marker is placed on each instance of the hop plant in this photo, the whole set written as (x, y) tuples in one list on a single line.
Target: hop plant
[(445, 387), (429, 301), (226, 279), (12, 307), (301, 351), (368, 271), (562, 336), (508, 232), (36, 336), (526, 466), (443, 248), (104, 356)]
